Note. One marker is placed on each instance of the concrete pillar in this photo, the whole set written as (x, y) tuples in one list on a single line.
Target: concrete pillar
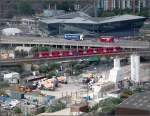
[(116, 74), (135, 68), (64, 47), (116, 63), (27, 67)]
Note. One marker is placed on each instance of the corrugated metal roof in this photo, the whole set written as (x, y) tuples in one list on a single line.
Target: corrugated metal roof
[(137, 101)]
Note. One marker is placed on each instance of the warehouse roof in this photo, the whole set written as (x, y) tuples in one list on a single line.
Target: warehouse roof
[(72, 15), (82, 18), (121, 18), (137, 101)]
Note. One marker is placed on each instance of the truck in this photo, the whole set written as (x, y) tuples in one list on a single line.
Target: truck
[(76, 37), (108, 39)]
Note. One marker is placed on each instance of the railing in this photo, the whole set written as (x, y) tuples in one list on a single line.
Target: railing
[(74, 57)]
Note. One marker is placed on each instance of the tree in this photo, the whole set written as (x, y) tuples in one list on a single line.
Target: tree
[(4, 84), (66, 5), (51, 74), (40, 49), (17, 110), (24, 7), (107, 105), (34, 49), (53, 67), (21, 53), (107, 14), (2, 92), (43, 69), (144, 12)]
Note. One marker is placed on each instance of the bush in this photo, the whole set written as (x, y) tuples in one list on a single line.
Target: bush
[(107, 106), (51, 74), (126, 94), (4, 84), (41, 110), (56, 107), (54, 66), (17, 110), (2, 92)]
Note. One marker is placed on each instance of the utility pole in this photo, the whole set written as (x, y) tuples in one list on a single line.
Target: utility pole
[(133, 6), (95, 7)]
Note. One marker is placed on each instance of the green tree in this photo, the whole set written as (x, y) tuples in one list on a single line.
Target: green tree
[(144, 12), (4, 84), (21, 53), (34, 49), (43, 69), (107, 105), (43, 49), (53, 67), (107, 13), (51, 74), (66, 5), (2, 92), (24, 7), (39, 49), (17, 110)]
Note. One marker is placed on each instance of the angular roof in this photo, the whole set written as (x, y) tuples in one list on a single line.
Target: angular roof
[(137, 101), (72, 15), (82, 18), (121, 18)]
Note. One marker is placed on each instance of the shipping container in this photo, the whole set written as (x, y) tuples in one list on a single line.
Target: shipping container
[(4, 98), (17, 95), (41, 99)]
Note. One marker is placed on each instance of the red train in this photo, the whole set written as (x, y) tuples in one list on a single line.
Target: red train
[(66, 53)]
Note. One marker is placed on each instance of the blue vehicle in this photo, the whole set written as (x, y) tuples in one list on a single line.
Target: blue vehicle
[(76, 37)]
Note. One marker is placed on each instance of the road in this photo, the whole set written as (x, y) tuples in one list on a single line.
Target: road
[(62, 42)]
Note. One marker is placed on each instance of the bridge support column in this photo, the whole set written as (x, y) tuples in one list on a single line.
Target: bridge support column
[(26, 67), (135, 68), (116, 73), (64, 47)]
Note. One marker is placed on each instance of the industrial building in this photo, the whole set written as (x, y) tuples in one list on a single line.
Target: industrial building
[(136, 105), (79, 22)]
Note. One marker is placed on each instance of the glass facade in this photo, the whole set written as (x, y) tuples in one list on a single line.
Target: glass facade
[(62, 28)]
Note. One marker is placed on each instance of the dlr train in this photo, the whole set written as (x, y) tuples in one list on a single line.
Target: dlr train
[(76, 52)]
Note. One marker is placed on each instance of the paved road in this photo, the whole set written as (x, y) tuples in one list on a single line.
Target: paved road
[(63, 42)]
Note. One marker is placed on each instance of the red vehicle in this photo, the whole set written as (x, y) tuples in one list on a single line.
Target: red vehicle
[(55, 54), (41, 55), (108, 39), (109, 50), (99, 50), (118, 49), (67, 53), (79, 52), (90, 51)]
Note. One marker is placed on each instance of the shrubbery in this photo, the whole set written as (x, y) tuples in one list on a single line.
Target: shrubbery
[(17, 110)]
